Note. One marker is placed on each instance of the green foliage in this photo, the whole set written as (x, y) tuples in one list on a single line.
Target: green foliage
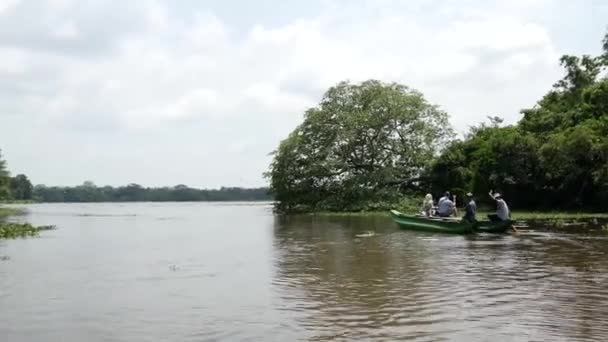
[(21, 188), (575, 161), (556, 157), (88, 192), (17, 230), (491, 157), (356, 148)]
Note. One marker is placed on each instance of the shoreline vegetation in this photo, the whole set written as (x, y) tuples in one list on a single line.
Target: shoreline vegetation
[(534, 220), (372, 146), (89, 192)]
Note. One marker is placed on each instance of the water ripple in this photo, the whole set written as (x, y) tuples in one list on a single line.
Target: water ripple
[(434, 287)]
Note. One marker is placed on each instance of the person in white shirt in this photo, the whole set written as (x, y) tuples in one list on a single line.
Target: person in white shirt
[(446, 196), (445, 206), (428, 206), (502, 209)]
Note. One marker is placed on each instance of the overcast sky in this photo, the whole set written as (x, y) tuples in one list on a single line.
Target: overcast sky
[(199, 92)]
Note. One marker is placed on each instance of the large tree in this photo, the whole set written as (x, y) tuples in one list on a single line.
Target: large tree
[(357, 147), (21, 188)]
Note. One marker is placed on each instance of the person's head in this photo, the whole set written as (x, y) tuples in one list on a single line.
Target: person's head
[(469, 195), (447, 194), (428, 197), (497, 196)]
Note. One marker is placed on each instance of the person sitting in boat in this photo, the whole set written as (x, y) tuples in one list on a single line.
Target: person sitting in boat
[(428, 206), (446, 196), (470, 211), (502, 209), (445, 207)]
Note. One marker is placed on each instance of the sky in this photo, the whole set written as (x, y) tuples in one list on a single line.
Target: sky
[(201, 92)]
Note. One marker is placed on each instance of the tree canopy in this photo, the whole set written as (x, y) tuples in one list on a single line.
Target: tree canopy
[(357, 147), (555, 157), (21, 188)]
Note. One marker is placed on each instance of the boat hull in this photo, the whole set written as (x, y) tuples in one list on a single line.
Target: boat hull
[(447, 225)]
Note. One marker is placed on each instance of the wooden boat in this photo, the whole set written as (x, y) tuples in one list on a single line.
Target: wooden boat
[(447, 224)]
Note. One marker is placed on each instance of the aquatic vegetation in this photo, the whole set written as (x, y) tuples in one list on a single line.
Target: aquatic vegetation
[(17, 230), (10, 230)]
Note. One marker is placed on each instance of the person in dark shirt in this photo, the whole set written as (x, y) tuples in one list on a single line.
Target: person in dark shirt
[(470, 214)]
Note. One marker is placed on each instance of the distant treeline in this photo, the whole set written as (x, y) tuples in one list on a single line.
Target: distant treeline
[(88, 192), (20, 188)]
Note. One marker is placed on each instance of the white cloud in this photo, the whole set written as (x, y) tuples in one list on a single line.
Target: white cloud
[(501, 34), (12, 61), (146, 68), (6, 5), (67, 31), (270, 98)]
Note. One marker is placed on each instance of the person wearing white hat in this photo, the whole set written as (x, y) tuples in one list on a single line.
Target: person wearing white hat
[(470, 209), (502, 209)]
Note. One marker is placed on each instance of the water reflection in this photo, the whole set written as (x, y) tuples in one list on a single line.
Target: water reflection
[(408, 285)]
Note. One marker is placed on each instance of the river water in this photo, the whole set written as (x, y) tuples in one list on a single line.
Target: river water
[(212, 271)]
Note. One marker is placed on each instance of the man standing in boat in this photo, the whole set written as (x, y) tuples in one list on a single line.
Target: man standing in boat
[(470, 210), (502, 209)]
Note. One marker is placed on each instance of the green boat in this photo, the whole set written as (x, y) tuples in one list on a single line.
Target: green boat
[(448, 225)]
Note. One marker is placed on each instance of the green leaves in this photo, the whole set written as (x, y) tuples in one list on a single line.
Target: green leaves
[(21, 188), (356, 147), (557, 156)]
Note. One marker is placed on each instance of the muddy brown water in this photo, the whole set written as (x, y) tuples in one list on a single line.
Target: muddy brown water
[(235, 271)]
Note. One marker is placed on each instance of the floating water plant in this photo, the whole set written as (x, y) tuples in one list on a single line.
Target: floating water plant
[(17, 230)]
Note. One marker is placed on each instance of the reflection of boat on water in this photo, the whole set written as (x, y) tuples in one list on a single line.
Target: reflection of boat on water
[(448, 225)]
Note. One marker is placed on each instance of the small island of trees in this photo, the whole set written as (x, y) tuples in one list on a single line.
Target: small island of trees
[(368, 146)]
